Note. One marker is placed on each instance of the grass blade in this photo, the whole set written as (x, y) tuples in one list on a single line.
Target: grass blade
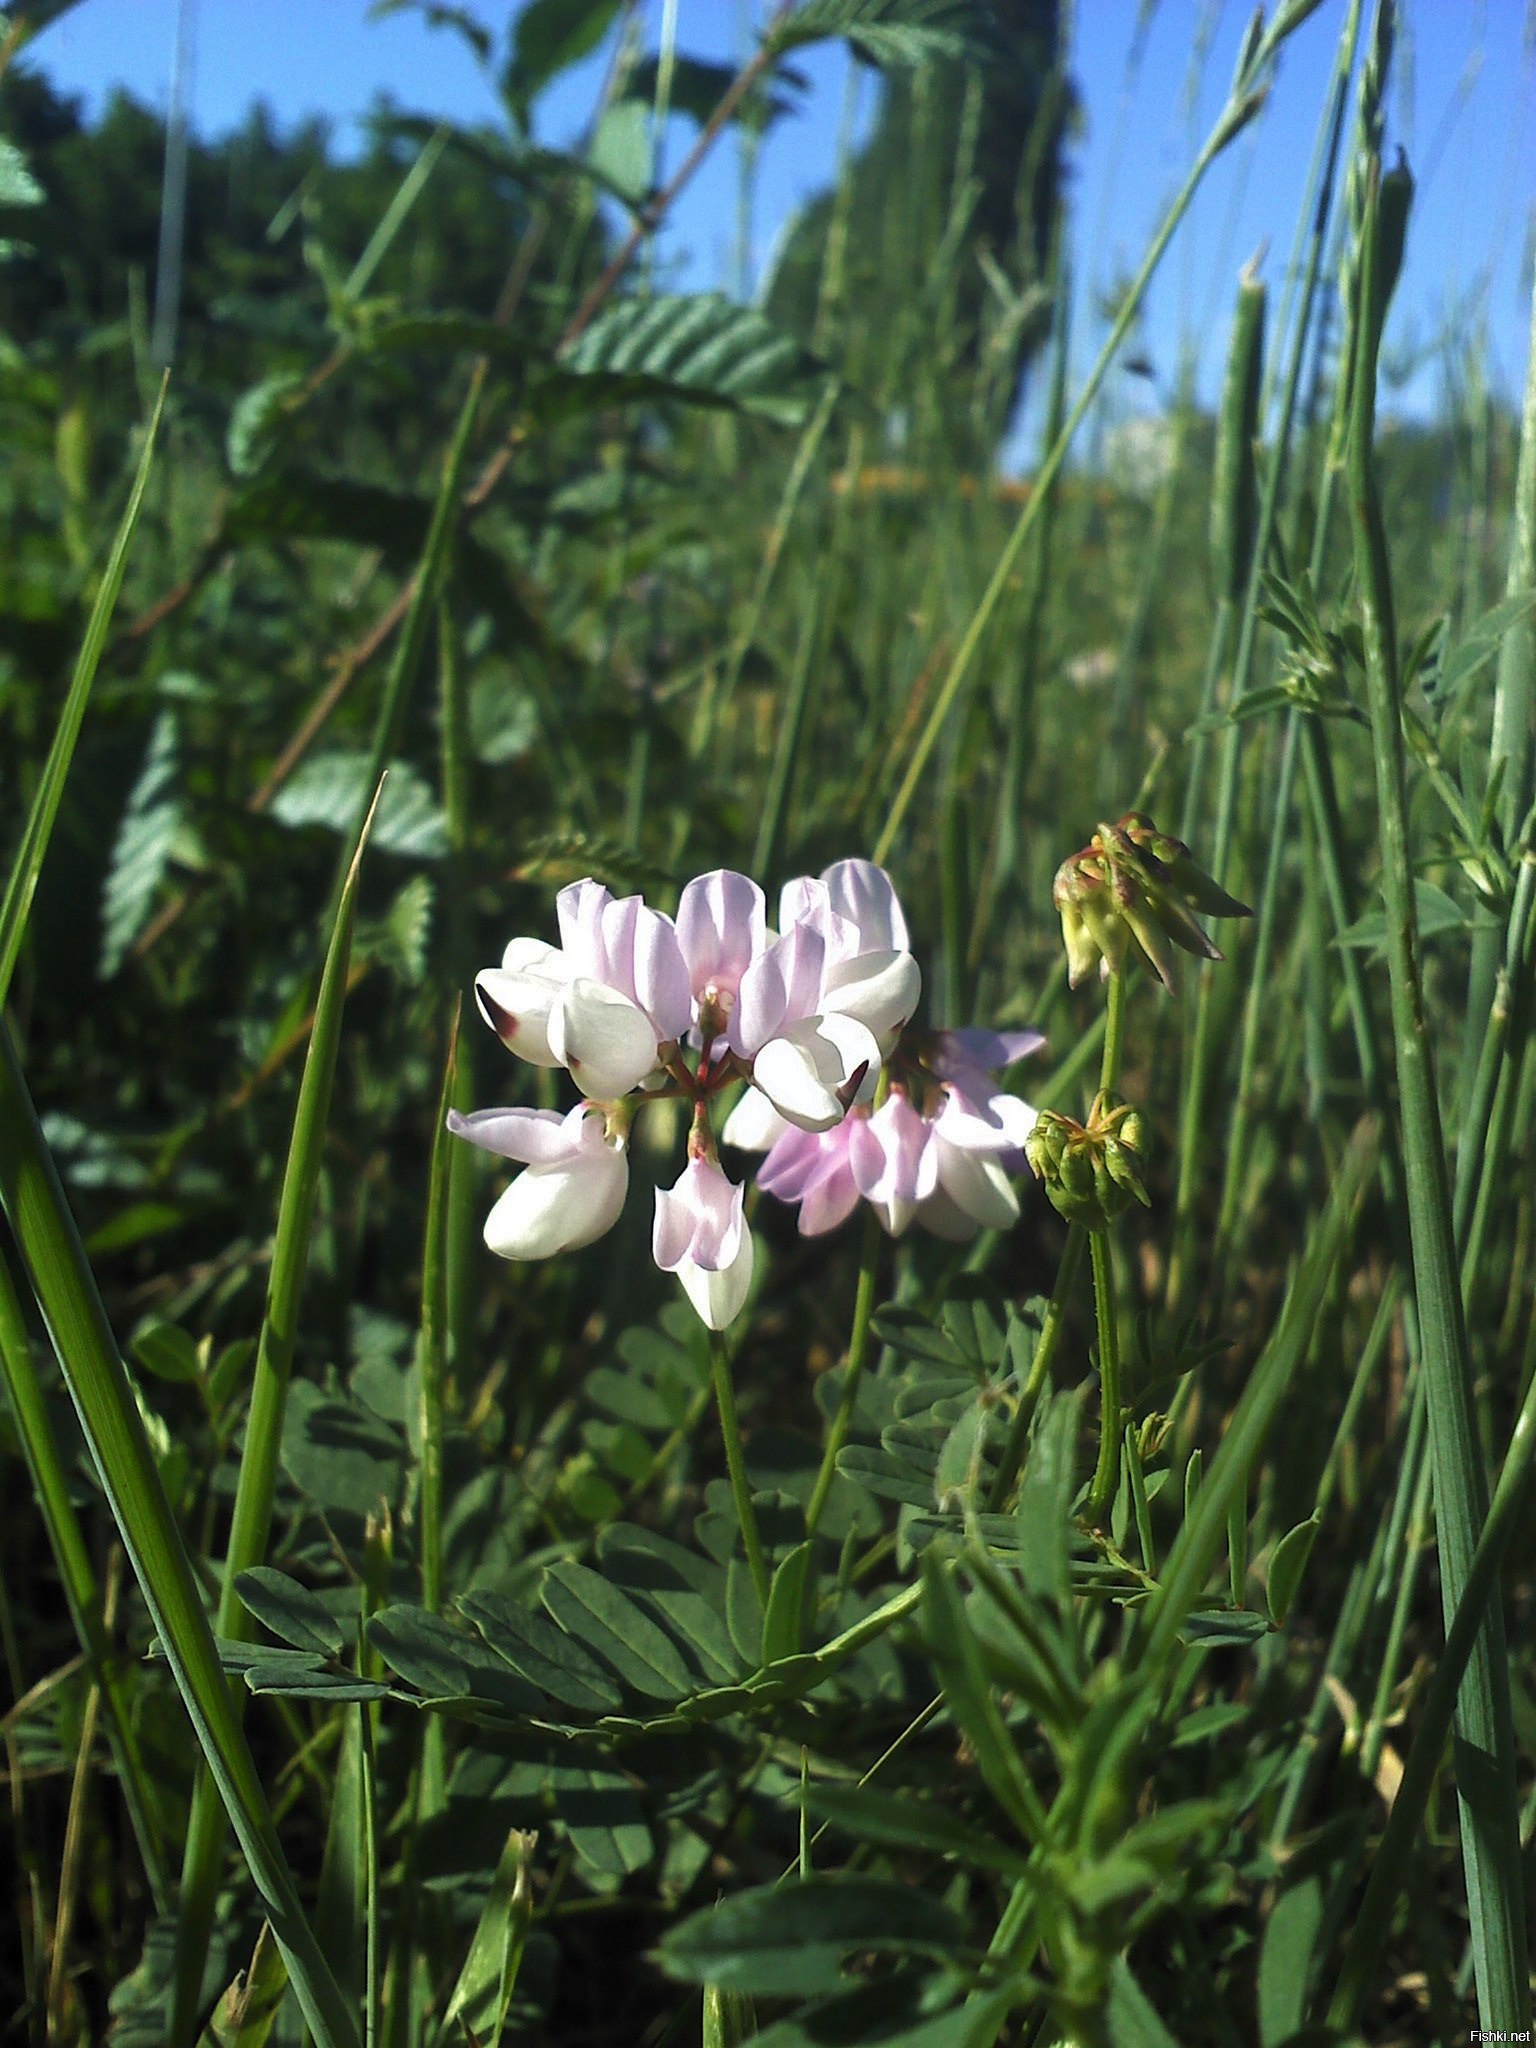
[(256, 1486), (1200, 1538), (1485, 1742), (29, 1412), (27, 866), (61, 1279)]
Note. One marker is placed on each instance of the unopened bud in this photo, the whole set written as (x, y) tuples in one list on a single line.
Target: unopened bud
[(1134, 882), (1152, 1435), (1092, 1171)]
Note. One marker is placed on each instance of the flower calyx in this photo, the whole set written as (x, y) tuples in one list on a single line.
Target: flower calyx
[(1135, 884), (1092, 1170)]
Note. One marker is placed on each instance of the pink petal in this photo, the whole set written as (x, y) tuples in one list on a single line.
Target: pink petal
[(721, 927), (782, 985), (661, 975)]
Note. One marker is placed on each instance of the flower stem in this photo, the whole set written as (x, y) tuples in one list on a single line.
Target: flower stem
[(1106, 1477), (1039, 1369), (736, 1465), (1114, 1035), (858, 1355)]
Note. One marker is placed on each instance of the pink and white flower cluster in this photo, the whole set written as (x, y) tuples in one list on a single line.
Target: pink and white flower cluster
[(634, 1004), (938, 1150)]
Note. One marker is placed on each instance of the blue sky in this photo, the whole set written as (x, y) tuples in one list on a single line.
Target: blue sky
[(1463, 107)]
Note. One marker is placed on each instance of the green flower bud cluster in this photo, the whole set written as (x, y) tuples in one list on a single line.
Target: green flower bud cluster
[(1133, 883), (1092, 1171)]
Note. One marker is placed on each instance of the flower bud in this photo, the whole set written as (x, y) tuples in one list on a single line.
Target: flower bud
[(1133, 882), (1092, 1171)]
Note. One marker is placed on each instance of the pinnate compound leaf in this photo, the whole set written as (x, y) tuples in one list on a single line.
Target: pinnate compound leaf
[(1480, 644), (771, 1941), (889, 31), (255, 419), (142, 851), (338, 1453), (277, 1672), (447, 1666), (329, 789), (1434, 910), (552, 35), (290, 1611), (968, 1693), (685, 1589), (701, 348), (1224, 1625), (542, 1653), (597, 1614)]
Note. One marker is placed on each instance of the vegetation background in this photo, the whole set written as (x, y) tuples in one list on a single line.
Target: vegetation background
[(632, 581)]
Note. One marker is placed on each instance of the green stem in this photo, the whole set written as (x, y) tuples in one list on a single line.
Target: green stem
[(1479, 1595), (256, 1485), (1485, 1746), (1242, 103), (858, 1355), (1106, 1476), (1114, 1035), (61, 1279), (1039, 1368), (736, 1465), (50, 1483)]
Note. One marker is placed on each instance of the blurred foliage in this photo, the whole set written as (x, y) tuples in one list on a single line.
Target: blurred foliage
[(700, 551)]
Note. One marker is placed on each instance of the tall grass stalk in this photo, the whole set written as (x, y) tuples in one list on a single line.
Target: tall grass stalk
[(60, 1276), (256, 1485), (1441, 1705), (1243, 103), (71, 1556), (1514, 723), (21, 884), (1485, 1749), (1200, 1050)]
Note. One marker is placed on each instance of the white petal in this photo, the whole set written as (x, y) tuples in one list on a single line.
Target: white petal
[(608, 1043), (781, 986), (754, 1124), (978, 1185), (661, 975), (700, 1220), (800, 1079), (721, 929), (943, 1218), (579, 911), (998, 1123), (550, 1209), (533, 1136), (517, 1007), (536, 956), (880, 989), (718, 1298), (863, 893)]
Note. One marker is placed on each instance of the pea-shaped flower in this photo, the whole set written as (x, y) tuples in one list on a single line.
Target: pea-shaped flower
[(701, 1235), (574, 1187)]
